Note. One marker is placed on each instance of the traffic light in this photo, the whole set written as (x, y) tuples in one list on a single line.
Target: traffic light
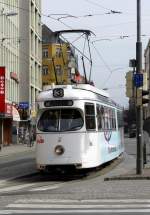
[(129, 84), (140, 97)]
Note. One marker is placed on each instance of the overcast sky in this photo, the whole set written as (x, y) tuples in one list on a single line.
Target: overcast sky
[(116, 34)]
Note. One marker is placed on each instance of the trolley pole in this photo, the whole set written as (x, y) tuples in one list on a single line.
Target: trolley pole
[(139, 109)]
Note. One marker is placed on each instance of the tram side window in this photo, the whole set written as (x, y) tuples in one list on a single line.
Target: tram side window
[(120, 119), (113, 119), (90, 116), (105, 118), (99, 116)]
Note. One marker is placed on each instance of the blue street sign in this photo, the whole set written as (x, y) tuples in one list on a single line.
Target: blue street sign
[(24, 105), (138, 79)]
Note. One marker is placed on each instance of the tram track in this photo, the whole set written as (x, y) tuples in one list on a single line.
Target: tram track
[(37, 183), (76, 174)]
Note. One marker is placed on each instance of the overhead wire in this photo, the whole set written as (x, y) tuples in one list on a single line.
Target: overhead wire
[(94, 3), (71, 27)]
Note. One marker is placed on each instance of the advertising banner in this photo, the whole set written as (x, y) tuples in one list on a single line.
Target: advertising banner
[(2, 90)]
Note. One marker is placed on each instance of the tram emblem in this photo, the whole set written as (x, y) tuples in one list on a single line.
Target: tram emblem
[(107, 135), (107, 129)]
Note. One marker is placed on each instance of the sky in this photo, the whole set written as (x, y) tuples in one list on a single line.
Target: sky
[(114, 42)]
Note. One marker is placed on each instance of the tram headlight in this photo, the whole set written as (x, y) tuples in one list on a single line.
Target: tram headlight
[(59, 150)]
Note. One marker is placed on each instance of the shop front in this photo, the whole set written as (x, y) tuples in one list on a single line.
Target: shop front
[(6, 125)]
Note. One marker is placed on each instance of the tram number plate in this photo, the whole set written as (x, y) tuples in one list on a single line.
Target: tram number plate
[(59, 92)]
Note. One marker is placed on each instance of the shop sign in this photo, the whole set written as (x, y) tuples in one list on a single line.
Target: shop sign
[(24, 105), (2, 89)]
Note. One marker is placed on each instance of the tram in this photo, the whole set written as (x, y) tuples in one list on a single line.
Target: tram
[(77, 125)]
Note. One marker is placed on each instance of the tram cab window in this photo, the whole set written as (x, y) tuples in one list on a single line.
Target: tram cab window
[(90, 116), (49, 121), (70, 119), (60, 120)]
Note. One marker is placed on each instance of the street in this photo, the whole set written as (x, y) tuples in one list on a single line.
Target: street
[(24, 191)]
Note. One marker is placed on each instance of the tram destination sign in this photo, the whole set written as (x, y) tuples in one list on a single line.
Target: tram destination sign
[(52, 103), (58, 92)]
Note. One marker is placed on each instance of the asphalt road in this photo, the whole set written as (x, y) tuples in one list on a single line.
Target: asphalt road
[(45, 194)]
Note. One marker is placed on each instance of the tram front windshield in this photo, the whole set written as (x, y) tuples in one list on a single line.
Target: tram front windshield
[(60, 120)]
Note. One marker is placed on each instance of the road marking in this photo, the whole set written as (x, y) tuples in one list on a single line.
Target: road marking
[(68, 206), (47, 187), (83, 201), (76, 206), (44, 188), (15, 187), (74, 211)]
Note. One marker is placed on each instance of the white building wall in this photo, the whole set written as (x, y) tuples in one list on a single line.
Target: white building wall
[(9, 46), (30, 50)]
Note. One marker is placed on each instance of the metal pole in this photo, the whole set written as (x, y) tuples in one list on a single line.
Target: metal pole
[(139, 109)]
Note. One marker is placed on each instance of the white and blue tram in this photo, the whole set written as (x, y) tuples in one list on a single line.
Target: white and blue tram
[(77, 125)]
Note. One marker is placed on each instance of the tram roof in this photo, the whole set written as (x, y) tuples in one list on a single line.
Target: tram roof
[(86, 87), (76, 91)]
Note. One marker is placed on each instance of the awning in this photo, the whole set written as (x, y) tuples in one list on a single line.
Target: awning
[(15, 114)]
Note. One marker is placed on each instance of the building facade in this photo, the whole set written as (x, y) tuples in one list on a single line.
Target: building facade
[(9, 60), (30, 53), (59, 61)]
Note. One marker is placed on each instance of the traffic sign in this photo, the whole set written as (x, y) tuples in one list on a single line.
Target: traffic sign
[(24, 105), (138, 80)]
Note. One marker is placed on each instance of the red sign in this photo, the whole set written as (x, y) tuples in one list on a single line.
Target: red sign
[(2, 89)]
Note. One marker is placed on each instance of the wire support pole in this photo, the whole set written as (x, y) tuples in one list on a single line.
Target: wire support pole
[(139, 109)]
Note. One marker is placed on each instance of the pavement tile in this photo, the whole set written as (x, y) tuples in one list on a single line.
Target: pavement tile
[(15, 148)]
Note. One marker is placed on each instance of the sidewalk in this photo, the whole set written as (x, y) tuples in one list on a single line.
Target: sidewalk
[(15, 149), (127, 170)]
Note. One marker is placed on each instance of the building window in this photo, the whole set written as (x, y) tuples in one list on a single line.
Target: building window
[(45, 53), (58, 70), (45, 70), (58, 52)]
